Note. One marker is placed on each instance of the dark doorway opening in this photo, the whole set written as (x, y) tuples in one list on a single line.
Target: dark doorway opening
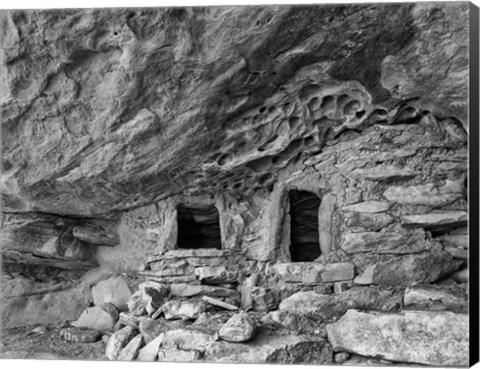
[(304, 241), (198, 227)]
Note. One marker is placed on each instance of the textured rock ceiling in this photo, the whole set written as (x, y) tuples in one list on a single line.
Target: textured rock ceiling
[(105, 110)]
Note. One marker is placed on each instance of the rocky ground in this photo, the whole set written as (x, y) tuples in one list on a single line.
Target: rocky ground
[(155, 322)]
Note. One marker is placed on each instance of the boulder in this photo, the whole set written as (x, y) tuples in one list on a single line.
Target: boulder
[(149, 352), (185, 310), (272, 347), (80, 335), (115, 290), (118, 341), (422, 337), (130, 351), (239, 328), (96, 318)]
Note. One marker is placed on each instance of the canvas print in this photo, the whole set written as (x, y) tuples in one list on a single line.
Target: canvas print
[(236, 184)]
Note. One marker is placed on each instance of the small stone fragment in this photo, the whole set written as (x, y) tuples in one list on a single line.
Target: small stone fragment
[(341, 357), (239, 328)]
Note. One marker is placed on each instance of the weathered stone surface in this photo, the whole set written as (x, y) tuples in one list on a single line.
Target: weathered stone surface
[(435, 298), (436, 218), (314, 273), (136, 304), (239, 328), (115, 290), (118, 341), (190, 290), (150, 328), (192, 338), (272, 347), (372, 222), (263, 299), (432, 338), (86, 149), (95, 275), (150, 351), (43, 308), (95, 235), (415, 269), (294, 321), (338, 272), (81, 335), (309, 273), (216, 275), (153, 294), (130, 351), (185, 310), (426, 194), (96, 318), (382, 172), (128, 319), (384, 242), (453, 240), (341, 357)]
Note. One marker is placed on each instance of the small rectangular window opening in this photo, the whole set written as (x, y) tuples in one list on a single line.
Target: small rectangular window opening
[(198, 227), (304, 240)]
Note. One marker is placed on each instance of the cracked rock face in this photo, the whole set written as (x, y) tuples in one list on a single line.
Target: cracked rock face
[(108, 110)]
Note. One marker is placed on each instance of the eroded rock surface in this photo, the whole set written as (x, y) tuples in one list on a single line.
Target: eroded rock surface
[(432, 338)]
